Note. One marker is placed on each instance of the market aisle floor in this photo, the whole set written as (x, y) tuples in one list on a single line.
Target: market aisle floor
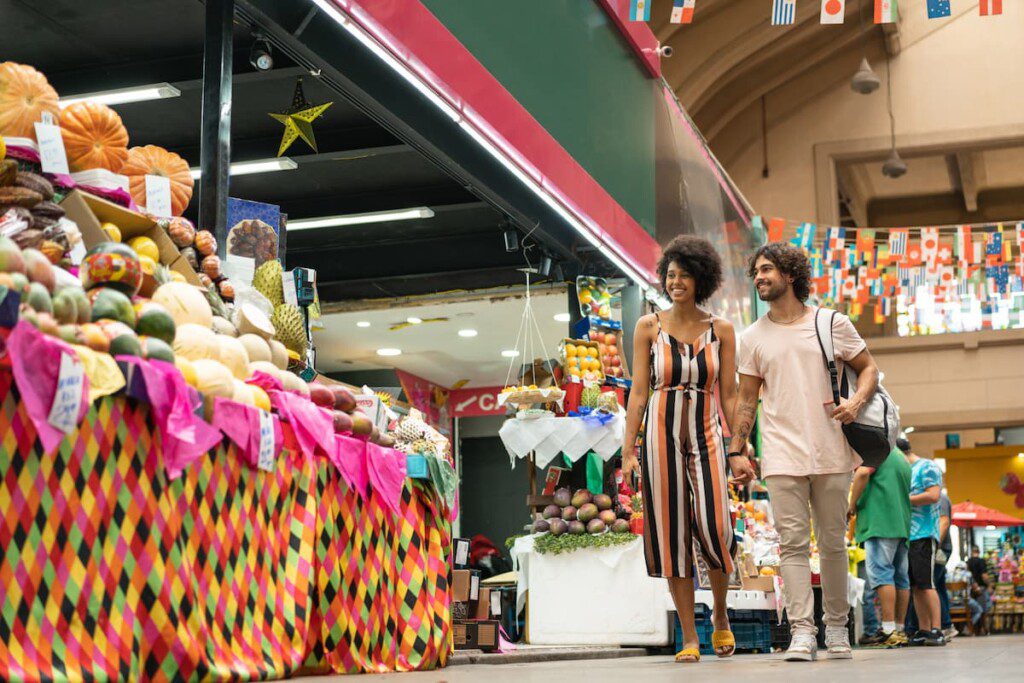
[(994, 658)]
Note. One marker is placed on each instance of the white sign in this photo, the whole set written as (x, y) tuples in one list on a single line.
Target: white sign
[(495, 603), (474, 587), (266, 457), (239, 268), (461, 552), (52, 156), (68, 398), (290, 295), (158, 195)]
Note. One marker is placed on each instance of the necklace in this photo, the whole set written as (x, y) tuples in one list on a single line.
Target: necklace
[(803, 309)]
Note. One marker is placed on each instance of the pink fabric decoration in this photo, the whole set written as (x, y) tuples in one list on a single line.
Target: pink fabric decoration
[(312, 426), (241, 424), (265, 382), (387, 474), (350, 459), (35, 362), (185, 436)]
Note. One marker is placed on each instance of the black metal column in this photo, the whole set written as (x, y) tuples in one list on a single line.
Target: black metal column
[(215, 146)]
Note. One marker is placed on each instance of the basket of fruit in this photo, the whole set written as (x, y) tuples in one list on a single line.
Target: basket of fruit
[(581, 360), (529, 395)]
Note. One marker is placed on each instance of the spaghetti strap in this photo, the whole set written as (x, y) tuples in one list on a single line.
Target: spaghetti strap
[(657, 317)]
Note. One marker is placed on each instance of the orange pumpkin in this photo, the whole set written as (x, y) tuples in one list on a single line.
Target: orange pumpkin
[(153, 160), (94, 137), (24, 95)]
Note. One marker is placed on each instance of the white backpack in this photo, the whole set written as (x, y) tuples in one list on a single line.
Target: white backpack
[(874, 431)]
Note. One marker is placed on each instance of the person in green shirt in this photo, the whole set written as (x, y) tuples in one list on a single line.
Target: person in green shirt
[(883, 526)]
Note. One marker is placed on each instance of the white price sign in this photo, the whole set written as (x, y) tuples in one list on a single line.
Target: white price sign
[(68, 398), (52, 156), (266, 457), (291, 297), (158, 195), (239, 268)]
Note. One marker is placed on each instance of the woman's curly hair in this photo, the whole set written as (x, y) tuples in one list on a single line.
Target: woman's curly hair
[(791, 261), (697, 257)]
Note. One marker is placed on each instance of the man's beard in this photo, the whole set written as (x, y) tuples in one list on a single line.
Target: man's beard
[(772, 293)]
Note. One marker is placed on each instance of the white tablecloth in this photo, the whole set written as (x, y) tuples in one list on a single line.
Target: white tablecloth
[(550, 436)]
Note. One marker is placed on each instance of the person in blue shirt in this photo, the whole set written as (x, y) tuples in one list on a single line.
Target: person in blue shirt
[(925, 491)]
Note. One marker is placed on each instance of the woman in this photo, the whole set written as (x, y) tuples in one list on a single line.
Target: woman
[(680, 355)]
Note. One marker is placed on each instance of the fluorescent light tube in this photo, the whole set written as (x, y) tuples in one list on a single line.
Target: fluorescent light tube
[(139, 93), (360, 218), (254, 166)]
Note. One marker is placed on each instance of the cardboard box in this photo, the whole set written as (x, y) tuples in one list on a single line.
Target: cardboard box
[(487, 635), (465, 585), (373, 408), (90, 213), (483, 605), (465, 635), (758, 583), (460, 553)]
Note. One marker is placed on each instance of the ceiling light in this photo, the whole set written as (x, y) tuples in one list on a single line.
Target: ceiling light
[(414, 320), (545, 266), (562, 317), (139, 93), (468, 334), (510, 353), (363, 323), (865, 81), (894, 167), (360, 218), (254, 166), (511, 240), (908, 430), (389, 352), (990, 527), (1021, 456), (260, 55)]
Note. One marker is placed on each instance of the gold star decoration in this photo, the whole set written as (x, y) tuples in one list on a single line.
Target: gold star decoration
[(298, 120)]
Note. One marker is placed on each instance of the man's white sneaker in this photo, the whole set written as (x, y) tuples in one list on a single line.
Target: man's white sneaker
[(803, 648), (837, 640), (950, 633)]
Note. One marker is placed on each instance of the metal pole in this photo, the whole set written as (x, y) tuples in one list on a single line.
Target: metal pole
[(215, 144)]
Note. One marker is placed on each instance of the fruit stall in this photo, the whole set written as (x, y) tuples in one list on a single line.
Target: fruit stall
[(182, 496)]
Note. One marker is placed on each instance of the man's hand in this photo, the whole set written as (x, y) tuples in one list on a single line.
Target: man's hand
[(847, 410), (742, 470)]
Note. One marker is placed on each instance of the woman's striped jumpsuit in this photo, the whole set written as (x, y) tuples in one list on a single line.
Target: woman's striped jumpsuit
[(685, 487)]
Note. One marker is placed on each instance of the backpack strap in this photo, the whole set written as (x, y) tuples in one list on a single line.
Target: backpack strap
[(823, 320)]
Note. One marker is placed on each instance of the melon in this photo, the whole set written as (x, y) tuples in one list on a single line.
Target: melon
[(256, 346), (260, 397), (185, 303), (82, 305), (278, 354), (249, 319), (242, 393), (213, 379), (233, 356), (187, 370), (222, 326), (65, 310), (111, 264), (125, 345), (265, 367), (294, 383), (196, 342), (110, 304), (155, 321), (157, 349), (39, 298)]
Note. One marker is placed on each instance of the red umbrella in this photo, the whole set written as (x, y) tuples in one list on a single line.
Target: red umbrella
[(970, 514)]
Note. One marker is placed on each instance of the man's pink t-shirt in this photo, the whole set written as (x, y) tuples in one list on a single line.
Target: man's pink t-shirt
[(798, 435)]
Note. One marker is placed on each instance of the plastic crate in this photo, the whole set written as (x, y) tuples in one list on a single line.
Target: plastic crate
[(752, 629)]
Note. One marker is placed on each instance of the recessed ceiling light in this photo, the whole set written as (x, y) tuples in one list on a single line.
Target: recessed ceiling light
[(140, 93), (254, 166), (414, 320), (467, 333), (360, 218), (562, 317), (363, 323), (510, 353), (389, 352)]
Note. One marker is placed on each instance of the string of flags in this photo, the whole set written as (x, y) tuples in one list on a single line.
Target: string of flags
[(783, 12), (852, 267)]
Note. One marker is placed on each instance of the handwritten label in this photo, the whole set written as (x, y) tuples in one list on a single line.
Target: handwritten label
[(68, 398), (290, 295), (495, 603), (239, 268), (158, 195), (461, 552), (266, 457), (474, 587), (52, 156)]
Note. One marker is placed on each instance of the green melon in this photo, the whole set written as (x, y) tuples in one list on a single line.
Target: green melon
[(125, 345), (156, 322), (157, 349), (113, 305), (39, 298)]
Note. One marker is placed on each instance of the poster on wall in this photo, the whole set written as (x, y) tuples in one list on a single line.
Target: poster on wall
[(253, 237)]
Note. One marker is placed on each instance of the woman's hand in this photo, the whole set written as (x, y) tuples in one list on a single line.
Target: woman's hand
[(630, 463)]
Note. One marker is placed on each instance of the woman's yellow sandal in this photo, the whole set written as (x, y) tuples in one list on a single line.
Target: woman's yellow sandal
[(724, 643), (690, 655)]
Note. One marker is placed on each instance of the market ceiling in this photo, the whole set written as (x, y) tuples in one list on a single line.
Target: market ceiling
[(361, 165)]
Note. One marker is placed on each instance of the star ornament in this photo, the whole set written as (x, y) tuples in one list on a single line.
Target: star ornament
[(298, 120)]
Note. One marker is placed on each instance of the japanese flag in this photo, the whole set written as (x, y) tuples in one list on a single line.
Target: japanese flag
[(833, 11)]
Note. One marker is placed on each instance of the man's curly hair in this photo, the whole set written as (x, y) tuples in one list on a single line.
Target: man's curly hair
[(697, 257), (791, 261)]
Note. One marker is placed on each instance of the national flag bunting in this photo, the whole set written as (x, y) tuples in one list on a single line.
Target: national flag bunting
[(682, 12), (835, 243), (886, 12), (964, 245), (640, 10), (994, 248), (990, 7), (930, 246), (865, 242), (937, 9), (783, 12), (805, 236), (898, 242), (776, 227), (833, 11)]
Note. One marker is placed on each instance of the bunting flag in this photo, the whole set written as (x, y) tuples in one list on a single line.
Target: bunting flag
[(886, 12), (640, 10), (865, 242), (937, 9), (835, 242), (898, 242), (1007, 245), (964, 245), (805, 236), (776, 227), (990, 7), (994, 248), (682, 12), (783, 12), (930, 247), (833, 11)]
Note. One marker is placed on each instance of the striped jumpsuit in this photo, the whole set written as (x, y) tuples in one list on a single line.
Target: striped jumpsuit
[(683, 461)]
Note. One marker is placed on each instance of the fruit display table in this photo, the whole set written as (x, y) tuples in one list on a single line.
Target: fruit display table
[(547, 437), (112, 570)]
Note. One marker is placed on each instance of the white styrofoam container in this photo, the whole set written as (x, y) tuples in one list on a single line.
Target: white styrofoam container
[(101, 178)]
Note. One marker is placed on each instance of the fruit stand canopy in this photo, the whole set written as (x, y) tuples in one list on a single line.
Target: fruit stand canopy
[(968, 514)]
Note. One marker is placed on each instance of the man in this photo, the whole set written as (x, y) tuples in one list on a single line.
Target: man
[(945, 551), (977, 566), (883, 526), (925, 488), (807, 463)]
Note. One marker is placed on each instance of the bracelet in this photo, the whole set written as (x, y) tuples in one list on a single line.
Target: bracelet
[(737, 454)]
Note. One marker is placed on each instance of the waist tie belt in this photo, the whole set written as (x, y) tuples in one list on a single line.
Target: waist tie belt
[(687, 388)]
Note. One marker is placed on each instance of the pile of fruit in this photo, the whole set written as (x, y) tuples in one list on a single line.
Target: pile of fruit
[(608, 350), (582, 360), (583, 513), (594, 296), (30, 216)]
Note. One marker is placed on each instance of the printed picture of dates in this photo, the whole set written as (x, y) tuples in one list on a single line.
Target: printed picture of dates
[(253, 239)]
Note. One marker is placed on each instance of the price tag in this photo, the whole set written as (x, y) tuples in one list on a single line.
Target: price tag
[(495, 603), (68, 398), (290, 295), (77, 253), (158, 195), (52, 156), (239, 268), (266, 457), (474, 587), (462, 553), (11, 224)]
